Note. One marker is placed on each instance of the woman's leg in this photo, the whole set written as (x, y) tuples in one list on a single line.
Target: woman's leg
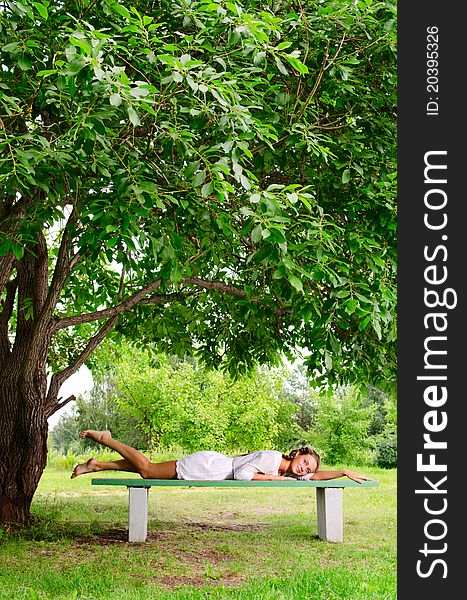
[(94, 466), (134, 461)]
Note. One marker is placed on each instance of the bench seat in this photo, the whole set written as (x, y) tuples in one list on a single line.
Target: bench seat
[(328, 500)]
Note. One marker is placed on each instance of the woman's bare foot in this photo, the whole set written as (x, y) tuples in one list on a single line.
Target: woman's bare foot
[(96, 436), (87, 467)]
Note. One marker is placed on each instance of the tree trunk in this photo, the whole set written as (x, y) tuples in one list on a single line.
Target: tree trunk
[(23, 443)]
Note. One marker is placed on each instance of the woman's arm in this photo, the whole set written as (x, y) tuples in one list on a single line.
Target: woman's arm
[(325, 475)]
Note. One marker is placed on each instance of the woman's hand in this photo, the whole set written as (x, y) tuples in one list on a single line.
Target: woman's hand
[(356, 476)]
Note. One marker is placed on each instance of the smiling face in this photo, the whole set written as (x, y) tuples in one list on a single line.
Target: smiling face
[(303, 464)]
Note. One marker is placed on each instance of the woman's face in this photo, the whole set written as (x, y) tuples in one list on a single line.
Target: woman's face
[(303, 464)]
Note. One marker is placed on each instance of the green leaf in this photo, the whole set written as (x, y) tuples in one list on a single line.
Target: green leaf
[(42, 10), (115, 100), (46, 72), (281, 66), (218, 97), (206, 189), (364, 322), (80, 43), (351, 305), (358, 168), (256, 234), (307, 313), (199, 178), (5, 246), (18, 251), (245, 182), (176, 273), (377, 327), (11, 47), (334, 344), (121, 10), (346, 176), (296, 64), (295, 282), (259, 58), (363, 298), (24, 62), (133, 115)]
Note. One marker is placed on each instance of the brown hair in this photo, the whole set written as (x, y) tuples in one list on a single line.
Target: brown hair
[(304, 450)]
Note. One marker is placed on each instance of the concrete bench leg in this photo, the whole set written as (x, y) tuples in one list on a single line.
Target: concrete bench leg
[(329, 511), (137, 514)]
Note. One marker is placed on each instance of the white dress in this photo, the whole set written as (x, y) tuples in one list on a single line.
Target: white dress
[(214, 466)]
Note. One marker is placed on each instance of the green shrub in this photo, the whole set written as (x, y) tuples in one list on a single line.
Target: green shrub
[(386, 453), (341, 428)]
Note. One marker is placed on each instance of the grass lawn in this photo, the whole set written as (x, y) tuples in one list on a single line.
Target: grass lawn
[(243, 544)]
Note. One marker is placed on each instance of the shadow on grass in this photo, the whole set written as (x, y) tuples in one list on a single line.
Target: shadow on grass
[(48, 525)]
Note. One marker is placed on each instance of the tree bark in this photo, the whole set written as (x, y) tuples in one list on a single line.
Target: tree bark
[(23, 443), (23, 387)]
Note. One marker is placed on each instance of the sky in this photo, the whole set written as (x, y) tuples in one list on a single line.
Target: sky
[(77, 384)]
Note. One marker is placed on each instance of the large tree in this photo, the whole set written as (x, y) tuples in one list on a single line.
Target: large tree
[(217, 177)]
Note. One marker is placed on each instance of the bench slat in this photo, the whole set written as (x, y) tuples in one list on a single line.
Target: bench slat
[(147, 483)]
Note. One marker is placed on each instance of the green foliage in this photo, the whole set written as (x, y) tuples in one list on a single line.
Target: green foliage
[(239, 156), (386, 452), (381, 401), (257, 412), (179, 403), (386, 441), (297, 389), (341, 428), (64, 435), (65, 461)]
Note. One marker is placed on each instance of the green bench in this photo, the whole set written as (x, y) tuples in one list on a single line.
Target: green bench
[(328, 500)]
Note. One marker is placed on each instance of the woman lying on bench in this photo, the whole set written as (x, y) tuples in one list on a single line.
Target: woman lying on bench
[(268, 465)]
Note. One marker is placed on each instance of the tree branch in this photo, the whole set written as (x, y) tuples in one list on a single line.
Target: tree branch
[(139, 298), (113, 311), (216, 285), (334, 58), (49, 411), (41, 268), (63, 267), (52, 401), (315, 86), (360, 49), (159, 299), (32, 278)]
